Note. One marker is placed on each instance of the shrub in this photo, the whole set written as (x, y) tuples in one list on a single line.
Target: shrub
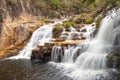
[(55, 3), (11, 2), (79, 20), (59, 27), (40, 3), (89, 20), (43, 18), (67, 24)]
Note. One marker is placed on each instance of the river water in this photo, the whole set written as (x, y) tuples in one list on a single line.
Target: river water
[(27, 70)]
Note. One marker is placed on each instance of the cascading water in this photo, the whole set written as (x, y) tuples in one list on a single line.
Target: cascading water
[(94, 57), (40, 36), (57, 53), (91, 64), (68, 57), (69, 33)]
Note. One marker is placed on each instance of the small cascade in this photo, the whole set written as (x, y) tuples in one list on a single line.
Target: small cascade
[(69, 35), (40, 36), (90, 29), (57, 53), (68, 57), (91, 61)]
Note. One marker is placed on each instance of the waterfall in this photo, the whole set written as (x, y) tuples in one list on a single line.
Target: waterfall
[(90, 63), (68, 57), (40, 36), (57, 53), (94, 57)]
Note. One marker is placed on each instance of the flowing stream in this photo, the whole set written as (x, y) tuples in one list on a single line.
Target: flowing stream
[(86, 61), (91, 63)]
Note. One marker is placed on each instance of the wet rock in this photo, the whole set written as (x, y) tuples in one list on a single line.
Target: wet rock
[(113, 60), (83, 38), (42, 53), (67, 29), (75, 36), (78, 26), (37, 54)]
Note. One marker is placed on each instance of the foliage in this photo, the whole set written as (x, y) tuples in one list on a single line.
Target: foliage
[(89, 20), (11, 2), (58, 27), (78, 21), (55, 3), (68, 24), (88, 2), (40, 3), (43, 18)]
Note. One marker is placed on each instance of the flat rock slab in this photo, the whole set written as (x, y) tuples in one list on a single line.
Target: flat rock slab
[(68, 42)]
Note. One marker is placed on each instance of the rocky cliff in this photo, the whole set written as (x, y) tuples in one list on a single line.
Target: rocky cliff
[(15, 35)]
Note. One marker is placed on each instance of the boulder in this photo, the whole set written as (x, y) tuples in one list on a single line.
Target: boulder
[(113, 60), (37, 54)]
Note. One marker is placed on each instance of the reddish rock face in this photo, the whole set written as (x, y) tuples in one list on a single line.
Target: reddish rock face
[(14, 36)]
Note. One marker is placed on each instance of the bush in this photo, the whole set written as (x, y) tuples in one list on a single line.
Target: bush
[(55, 3), (89, 20), (68, 24), (59, 27), (11, 2), (43, 18), (40, 3), (79, 20)]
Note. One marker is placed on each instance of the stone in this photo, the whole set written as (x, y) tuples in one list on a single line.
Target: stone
[(113, 60), (37, 54)]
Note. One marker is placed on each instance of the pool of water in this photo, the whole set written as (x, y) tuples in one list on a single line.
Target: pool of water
[(27, 70)]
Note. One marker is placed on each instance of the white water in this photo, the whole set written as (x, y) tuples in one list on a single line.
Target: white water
[(91, 63), (39, 37), (57, 53), (90, 28), (68, 56), (68, 33)]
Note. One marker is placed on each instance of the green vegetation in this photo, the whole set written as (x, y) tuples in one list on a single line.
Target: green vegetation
[(43, 18), (58, 8), (40, 3), (55, 3), (68, 24), (63, 7), (89, 20), (57, 30), (11, 2), (58, 27)]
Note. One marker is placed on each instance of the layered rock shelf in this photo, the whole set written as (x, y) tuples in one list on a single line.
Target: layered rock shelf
[(43, 52), (16, 34)]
